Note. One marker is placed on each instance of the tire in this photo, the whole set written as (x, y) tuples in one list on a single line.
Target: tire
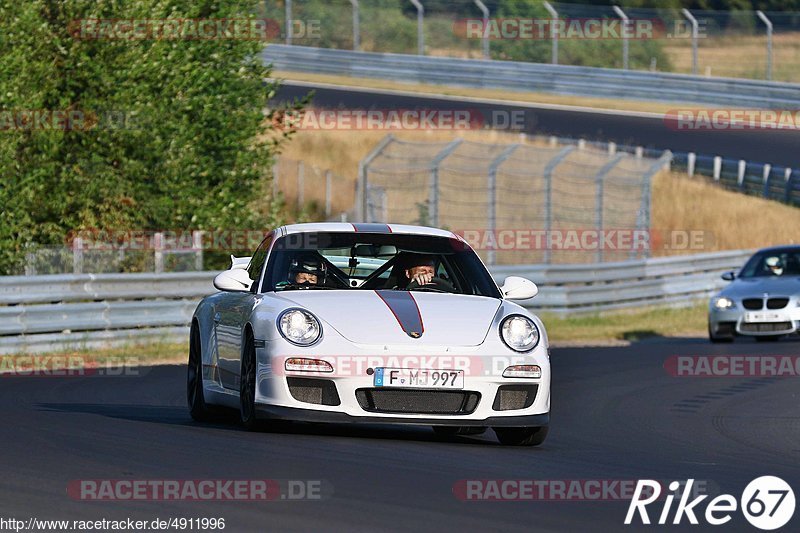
[(247, 386), (716, 339), (452, 431), (768, 338), (521, 436), (198, 408)]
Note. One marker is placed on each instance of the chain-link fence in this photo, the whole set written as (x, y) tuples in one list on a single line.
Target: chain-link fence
[(319, 193), (737, 43), (516, 203)]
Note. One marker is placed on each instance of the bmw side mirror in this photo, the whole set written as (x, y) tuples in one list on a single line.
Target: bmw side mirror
[(233, 280), (729, 276), (517, 288)]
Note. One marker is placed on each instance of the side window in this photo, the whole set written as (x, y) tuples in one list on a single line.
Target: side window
[(257, 262)]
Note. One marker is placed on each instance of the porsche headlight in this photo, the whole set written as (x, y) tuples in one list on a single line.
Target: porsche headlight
[(299, 327), (723, 303), (519, 333)]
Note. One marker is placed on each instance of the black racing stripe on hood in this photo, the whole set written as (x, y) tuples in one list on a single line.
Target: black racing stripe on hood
[(405, 309)]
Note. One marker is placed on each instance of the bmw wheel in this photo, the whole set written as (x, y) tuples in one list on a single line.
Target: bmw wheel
[(198, 408)]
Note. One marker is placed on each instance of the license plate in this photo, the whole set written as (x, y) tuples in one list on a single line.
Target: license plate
[(419, 378), (762, 316)]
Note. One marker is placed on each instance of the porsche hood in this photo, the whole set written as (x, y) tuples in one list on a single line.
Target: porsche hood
[(401, 317)]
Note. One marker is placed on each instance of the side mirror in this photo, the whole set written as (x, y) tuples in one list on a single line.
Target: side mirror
[(517, 288), (729, 276), (233, 280)]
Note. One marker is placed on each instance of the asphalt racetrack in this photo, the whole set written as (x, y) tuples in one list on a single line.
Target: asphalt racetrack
[(618, 414), (777, 147)]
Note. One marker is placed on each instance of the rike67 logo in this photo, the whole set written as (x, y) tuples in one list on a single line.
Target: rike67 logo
[(767, 503)]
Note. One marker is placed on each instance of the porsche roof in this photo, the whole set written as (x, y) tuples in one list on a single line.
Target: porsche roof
[(357, 227)]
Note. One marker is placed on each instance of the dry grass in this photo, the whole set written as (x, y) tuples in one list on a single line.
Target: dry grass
[(729, 219), (739, 56)]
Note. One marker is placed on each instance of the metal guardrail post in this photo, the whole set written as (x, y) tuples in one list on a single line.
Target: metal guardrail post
[(433, 186), (741, 172), (695, 35), (158, 252), (356, 25), (691, 161), (554, 34), (768, 24), (77, 255), (548, 196), (197, 244), (288, 18), (599, 180), (787, 176), (363, 177), (765, 178), (491, 222), (301, 185), (420, 27), (626, 28), (328, 192), (485, 36)]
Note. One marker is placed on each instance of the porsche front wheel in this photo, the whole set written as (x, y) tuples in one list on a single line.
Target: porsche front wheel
[(521, 436), (247, 387)]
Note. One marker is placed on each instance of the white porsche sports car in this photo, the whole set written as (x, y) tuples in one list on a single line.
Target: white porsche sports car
[(371, 323)]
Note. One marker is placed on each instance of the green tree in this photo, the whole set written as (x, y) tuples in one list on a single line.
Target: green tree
[(179, 141)]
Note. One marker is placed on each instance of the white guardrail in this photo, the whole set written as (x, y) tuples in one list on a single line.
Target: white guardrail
[(536, 77), (81, 311)]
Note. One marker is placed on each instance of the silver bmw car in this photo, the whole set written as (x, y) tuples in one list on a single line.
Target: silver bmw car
[(763, 300), (371, 323)]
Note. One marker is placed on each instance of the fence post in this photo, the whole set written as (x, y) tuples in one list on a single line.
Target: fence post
[(626, 28), (599, 180), (363, 177), (328, 180), (288, 21), (158, 252), (767, 170), (356, 26), (420, 27), (717, 167), (491, 221), (77, 255), (553, 13), (768, 24), (691, 161), (612, 148), (548, 196), (695, 35), (787, 176), (433, 185), (301, 185), (197, 244), (485, 36), (30, 264), (275, 169)]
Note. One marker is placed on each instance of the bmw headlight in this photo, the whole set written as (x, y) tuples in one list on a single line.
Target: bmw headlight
[(299, 327), (519, 333), (723, 303)]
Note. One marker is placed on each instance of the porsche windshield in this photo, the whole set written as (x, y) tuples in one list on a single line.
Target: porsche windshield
[(773, 263), (359, 261)]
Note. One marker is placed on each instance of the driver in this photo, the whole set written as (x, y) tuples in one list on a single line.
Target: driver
[(421, 268), (306, 270), (775, 265)]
